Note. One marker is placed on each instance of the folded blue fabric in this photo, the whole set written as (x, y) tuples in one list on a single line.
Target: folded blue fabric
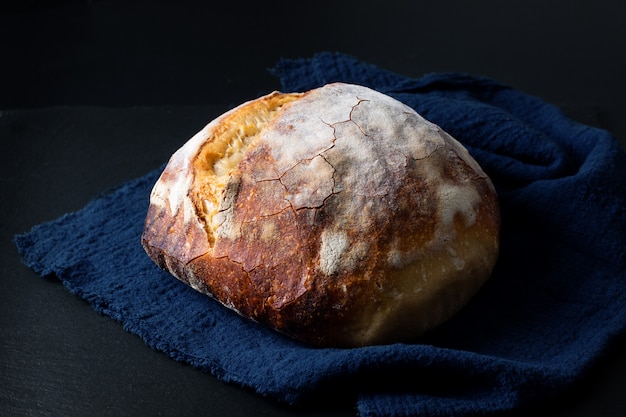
[(557, 297)]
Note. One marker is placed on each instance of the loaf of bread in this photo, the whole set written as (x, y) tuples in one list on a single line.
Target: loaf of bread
[(338, 216)]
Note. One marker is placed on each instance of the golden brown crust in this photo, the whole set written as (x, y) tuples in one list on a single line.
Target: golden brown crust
[(345, 220)]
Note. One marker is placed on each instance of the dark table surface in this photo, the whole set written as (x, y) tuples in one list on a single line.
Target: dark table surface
[(94, 93)]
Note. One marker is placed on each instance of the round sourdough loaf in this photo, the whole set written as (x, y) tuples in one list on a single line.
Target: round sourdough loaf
[(339, 217)]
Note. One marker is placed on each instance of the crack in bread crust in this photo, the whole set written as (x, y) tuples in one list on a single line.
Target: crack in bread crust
[(219, 156)]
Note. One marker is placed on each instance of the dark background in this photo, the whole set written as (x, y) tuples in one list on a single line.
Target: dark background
[(94, 93)]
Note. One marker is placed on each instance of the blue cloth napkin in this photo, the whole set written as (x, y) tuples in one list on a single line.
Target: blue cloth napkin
[(556, 300)]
